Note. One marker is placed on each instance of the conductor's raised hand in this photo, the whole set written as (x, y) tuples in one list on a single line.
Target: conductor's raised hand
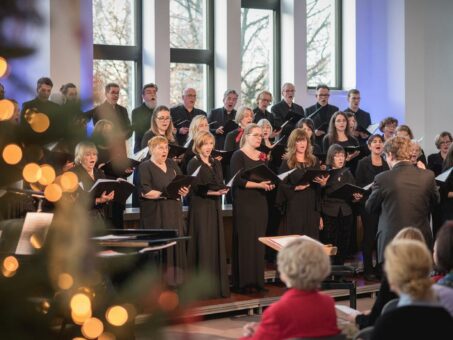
[(183, 191)]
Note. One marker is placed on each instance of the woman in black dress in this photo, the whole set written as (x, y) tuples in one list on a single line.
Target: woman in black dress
[(339, 133), (337, 212), (244, 117), (367, 170), (86, 157), (206, 249), (435, 164), (249, 214), (302, 201), (156, 211)]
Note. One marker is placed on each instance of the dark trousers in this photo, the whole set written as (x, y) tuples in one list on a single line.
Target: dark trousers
[(337, 231), (370, 224)]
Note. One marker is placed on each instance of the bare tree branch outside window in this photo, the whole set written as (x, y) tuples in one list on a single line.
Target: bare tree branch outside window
[(256, 53), (321, 58)]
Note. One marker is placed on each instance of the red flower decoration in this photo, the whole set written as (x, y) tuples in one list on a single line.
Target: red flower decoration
[(262, 157)]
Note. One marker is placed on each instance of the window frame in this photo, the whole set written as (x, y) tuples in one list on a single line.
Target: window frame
[(127, 53), (338, 48), (273, 5), (201, 56)]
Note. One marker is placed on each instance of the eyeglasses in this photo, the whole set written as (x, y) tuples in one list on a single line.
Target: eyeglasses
[(163, 118)]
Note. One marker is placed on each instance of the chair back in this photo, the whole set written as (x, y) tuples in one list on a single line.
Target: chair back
[(391, 305)]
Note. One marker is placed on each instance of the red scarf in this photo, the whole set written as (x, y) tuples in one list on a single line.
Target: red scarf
[(239, 136)]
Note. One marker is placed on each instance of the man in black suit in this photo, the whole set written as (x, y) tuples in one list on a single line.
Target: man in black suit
[(284, 107), (362, 117), (40, 104), (321, 112), (141, 116), (112, 111), (183, 114), (403, 196), (217, 118)]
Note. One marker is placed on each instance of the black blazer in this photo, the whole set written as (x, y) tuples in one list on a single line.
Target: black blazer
[(281, 109), (230, 141), (178, 114), (117, 114), (404, 197), (366, 172), (220, 117), (333, 206)]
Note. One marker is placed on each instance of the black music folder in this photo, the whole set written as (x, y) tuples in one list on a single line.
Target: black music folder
[(182, 123), (171, 191), (260, 173), (176, 150), (323, 127), (123, 189), (226, 155), (118, 168), (229, 126), (346, 192), (370, 129), (300, 177)]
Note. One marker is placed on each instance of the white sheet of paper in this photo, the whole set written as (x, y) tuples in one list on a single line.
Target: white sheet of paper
[(282, 176), (347, 310), (195, 173), (444, 175), (372, 127), (35, 223), (230, 183), (366, 187)]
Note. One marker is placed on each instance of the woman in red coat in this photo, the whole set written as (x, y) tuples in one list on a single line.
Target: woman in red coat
[(302, 312)]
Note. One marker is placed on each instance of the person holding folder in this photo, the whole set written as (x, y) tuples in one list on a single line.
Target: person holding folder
[(157, 211), (206, 250), (249, 214), (86, 156), (302, 199), (337, 212), (244, 117), (339, 133), (367, 169)]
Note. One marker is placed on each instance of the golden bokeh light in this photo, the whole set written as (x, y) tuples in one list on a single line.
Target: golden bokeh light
[(69, 181), (3, 67), (6, 109), (78, 338), (45, 306), (79, 319), (65, 281), (10, 264), (39, 122), (168, 300), (116, 315), (12, 154), (80, 304), (107, 336), (36, 241), (32, 172), (48, 174), (53, 192), (7, 274), (92, 328)]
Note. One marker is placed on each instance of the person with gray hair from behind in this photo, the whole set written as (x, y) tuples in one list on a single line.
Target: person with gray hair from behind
[(302, 312)]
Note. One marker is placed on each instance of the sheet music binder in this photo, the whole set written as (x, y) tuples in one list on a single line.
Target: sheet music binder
[(123, 189)]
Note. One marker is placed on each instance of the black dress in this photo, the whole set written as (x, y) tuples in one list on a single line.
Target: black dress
[(97, 210), (206, 250), (352, 141), (302, 208), (249, 223), (365, 174), (162, 213)]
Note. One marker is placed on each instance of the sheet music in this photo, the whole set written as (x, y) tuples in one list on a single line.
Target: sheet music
[(366, 187), (112, 237), (444, 175), (153, 248), (372, 127), (34, 224), (284, 241), (140, 155), (195, 173), (286, 174), (230, 183), (347, 310)]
